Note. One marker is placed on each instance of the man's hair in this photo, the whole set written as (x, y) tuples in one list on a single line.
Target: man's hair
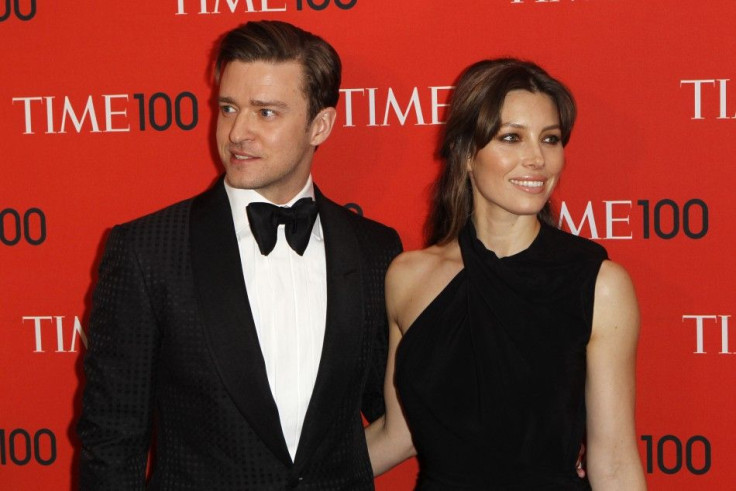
[(473, 120), (275, 42)]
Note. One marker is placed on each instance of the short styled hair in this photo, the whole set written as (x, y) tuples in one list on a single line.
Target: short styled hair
[(276, 41), (473, 120)]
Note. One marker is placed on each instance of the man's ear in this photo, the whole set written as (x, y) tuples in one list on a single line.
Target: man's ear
[(321, 125)]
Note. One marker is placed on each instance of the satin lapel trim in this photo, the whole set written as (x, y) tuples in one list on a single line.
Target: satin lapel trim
[(228, 321), (344, 327)]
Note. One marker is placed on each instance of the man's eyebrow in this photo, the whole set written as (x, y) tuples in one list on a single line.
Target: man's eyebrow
[(275, 103), (254, 102)]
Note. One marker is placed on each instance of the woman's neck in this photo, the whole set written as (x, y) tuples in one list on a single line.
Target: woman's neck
[(507, 236)]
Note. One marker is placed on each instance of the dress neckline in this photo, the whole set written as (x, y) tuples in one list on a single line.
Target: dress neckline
[(481, 248)]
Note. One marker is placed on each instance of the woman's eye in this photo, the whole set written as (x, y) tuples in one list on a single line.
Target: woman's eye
[(553, 139), (509, 137)]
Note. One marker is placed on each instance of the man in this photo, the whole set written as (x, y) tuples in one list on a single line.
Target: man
[(254, 351)]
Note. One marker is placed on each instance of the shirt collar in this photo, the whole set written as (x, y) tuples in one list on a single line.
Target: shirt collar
[(240, 198)]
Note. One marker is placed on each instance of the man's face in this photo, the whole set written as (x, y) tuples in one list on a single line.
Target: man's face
[(264, 138)]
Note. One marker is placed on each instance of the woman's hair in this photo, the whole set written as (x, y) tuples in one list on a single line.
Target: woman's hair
[(474, 119)]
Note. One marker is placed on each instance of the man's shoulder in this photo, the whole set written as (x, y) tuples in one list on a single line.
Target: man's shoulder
[(375, 241), (359, 221), (370, 225), (170, 215)]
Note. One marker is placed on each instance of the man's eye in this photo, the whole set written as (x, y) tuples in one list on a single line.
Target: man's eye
[(227, 109), (267, 113)]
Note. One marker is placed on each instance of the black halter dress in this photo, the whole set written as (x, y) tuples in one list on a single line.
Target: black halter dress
[(492, 373)]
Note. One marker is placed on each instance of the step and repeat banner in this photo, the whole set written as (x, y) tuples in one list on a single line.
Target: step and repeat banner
[(106, 114)]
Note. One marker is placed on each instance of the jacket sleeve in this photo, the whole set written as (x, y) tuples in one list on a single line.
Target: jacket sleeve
[(373, 404), (115, 424)]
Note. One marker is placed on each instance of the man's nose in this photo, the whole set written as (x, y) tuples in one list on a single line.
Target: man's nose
[(242, 129)]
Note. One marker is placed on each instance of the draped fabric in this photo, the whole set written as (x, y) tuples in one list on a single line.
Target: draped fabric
[(492, 373)]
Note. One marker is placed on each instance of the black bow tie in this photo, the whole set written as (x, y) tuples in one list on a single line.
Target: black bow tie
[(265, 219)]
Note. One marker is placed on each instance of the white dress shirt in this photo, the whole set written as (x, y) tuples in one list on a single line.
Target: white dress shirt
[(288, 298)]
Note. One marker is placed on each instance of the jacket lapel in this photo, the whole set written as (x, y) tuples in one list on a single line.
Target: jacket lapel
[(228, 321), (344, 326)]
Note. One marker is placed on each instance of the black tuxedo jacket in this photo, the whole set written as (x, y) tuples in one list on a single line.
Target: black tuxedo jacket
[(174, 358)]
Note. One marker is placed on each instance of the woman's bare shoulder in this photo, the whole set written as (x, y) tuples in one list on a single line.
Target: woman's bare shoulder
[(416, 277), (412, 266), (615, 308)]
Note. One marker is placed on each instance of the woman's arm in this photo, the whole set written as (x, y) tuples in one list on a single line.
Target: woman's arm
[(613, 461), (389, 440)]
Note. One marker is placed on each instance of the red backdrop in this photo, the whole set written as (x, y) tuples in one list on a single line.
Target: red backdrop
[(105, 114)]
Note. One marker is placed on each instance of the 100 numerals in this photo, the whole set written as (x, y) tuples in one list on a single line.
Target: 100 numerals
[(13, 7), (667, 453), (19, 447), (323, 4)]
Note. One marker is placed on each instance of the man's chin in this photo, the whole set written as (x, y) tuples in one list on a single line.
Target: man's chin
[(237, 183), (239, 179)]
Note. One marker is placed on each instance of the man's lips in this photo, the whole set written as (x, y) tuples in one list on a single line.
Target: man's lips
[(241, 156)]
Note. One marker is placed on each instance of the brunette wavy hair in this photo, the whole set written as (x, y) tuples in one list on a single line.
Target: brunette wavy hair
[(473, 120)]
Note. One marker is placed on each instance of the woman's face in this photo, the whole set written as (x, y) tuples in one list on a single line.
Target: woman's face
[(516, 172)]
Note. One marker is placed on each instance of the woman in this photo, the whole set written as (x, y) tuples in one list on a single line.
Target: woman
[(511, 342)]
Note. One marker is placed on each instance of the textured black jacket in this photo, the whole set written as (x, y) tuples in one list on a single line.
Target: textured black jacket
[(173, 352)]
